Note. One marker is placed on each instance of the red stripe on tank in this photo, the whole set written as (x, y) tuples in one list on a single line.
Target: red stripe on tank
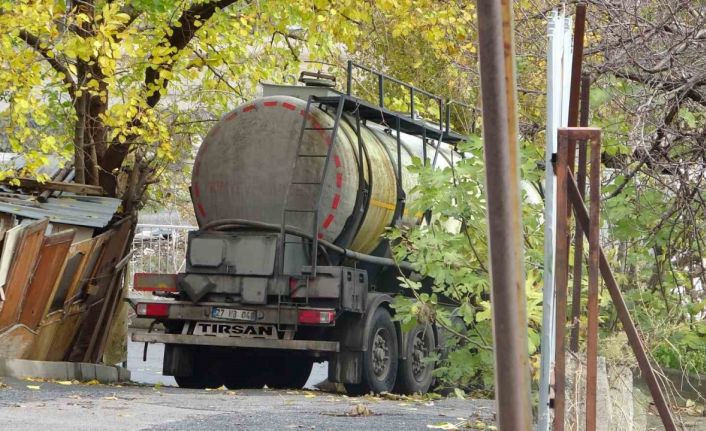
[(197, 191), (337, 160), (249, 108), (270, 103), (231, 116), (329, 219), (289, 106), (339, 180), (320, 235), (336, 201), (201, 210)]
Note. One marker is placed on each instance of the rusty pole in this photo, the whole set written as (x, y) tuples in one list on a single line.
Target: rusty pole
[(512, 390), (629, 327), (593, 284), (561, 277), (578, 240)]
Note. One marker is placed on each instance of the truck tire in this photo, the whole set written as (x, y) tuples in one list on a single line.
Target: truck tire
[(380, 358), (289, 372), (414, 374), (205, 371), (243, 371)]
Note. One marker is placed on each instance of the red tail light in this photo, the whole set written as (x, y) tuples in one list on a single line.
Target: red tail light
[(147, 309), (317, 317)]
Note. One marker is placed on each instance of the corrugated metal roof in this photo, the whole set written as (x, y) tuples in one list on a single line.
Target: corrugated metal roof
[(90, 211), (60, 207)]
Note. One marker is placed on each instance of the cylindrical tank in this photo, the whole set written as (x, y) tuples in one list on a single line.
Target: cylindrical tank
[(247, 161)]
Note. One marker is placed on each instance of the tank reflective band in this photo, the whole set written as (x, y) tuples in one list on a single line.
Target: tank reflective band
[(317, 317), (153, 309)]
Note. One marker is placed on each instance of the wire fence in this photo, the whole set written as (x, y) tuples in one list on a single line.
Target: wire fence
[(159, 249)]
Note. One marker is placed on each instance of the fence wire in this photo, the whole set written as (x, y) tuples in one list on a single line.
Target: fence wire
[(159, 249)]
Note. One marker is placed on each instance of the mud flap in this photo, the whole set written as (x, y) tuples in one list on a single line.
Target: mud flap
[(346, 367), (178, 360)]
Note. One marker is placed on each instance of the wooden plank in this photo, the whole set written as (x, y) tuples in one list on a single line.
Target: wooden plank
[(46, 336), (8, 252), (91, 251), (65, 333), (16, 342), (98, 288), (113, 292), (43, 284), (21, 270), (79, 189)]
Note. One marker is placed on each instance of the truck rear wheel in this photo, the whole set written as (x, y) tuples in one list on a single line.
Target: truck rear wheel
[(288, 372), (414, 374), (380, 358), (205, 372), (243, 371)]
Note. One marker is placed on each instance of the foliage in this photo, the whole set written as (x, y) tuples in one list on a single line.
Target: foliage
[(453, 250)]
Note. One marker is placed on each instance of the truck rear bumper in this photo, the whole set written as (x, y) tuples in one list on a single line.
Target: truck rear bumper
[(256, 343)]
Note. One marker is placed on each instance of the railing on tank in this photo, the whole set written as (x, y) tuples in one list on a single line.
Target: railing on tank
[(382, 78), (159, 249)]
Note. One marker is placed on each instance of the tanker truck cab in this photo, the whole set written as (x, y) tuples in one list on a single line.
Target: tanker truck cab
[(293, 192)]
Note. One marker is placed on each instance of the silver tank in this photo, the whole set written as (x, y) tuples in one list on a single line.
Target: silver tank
[(245, 164)]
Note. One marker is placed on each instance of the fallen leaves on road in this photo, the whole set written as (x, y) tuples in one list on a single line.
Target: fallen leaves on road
[(34, 387), (111, 398), (92, 382), (64, 382), (359, 410), (308, 394), (3, 385), (443, 426)]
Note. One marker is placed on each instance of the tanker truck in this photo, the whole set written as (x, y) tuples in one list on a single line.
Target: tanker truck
[(293, 192)]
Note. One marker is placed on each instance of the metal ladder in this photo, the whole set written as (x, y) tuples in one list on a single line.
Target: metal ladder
[(313, 211)]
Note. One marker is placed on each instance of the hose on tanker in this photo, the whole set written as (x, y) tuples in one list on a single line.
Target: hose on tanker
[(220, 224)]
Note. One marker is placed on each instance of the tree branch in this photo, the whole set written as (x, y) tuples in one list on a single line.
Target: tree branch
[(34, 42), (181, 35)]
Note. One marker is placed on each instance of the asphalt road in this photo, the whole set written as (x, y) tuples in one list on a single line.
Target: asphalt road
[(30, 405), (157, 404)]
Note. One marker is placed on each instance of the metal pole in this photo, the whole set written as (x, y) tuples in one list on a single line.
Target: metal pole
[(578, 240), (624, 315), (593, 282), (512, 390), (561, 275), (349, 78), (381, 90), (555, 35)]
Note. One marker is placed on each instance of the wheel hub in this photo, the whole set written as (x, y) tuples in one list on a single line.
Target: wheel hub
[(419, 352), (381, 353)]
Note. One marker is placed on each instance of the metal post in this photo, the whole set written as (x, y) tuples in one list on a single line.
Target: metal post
[(381, 90), (555, 66), (624, 315), (512, 391), (411, 103), (593, 281), (349, 78), (561, 275), (578, 240)]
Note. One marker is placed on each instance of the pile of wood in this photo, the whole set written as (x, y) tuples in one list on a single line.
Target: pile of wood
[(60, 284)]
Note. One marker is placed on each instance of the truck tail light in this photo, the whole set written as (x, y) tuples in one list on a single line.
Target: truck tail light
[(317, 317), (150, 282), (147, 309)]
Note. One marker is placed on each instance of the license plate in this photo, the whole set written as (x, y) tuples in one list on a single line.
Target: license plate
[(229, 329), (232, 314)]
